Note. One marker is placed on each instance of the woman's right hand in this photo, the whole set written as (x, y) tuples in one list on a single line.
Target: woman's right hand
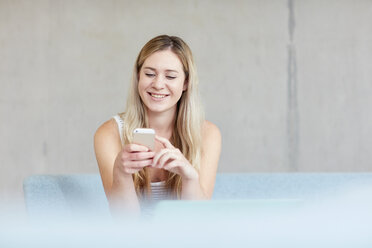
[(133, 158)]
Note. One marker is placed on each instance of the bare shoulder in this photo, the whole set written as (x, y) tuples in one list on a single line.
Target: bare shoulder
[(211, 141), (210, 132), (109, 129), (107, 137)]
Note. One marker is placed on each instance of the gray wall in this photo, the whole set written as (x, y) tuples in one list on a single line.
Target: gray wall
[(288, 82)]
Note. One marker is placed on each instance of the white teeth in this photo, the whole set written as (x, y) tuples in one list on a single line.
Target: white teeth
[(157, 96)]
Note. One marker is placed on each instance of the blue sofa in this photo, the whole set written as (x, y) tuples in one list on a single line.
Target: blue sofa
[(83, 193), (247, 210)]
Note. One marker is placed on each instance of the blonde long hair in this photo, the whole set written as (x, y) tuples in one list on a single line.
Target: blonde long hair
[(186, 134)]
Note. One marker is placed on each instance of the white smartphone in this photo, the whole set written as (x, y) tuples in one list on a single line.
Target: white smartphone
[(145, 137)]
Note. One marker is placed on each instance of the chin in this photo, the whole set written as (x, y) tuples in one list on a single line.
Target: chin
[(159, 109)]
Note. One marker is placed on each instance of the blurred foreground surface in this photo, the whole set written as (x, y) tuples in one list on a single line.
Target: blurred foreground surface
[(342, 220)]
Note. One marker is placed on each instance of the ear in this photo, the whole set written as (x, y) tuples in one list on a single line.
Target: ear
[(185, 85)]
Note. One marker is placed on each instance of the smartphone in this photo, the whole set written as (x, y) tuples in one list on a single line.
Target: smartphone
[(145, 137)]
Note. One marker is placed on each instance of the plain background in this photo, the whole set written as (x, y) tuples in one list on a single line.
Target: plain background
[(289, 83)]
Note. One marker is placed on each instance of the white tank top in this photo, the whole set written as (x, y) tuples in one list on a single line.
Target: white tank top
[(159, 190)]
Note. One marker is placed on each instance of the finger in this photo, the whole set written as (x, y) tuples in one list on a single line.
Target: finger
[(158, 155), (131, 170), (171, 165), (167, 157), (164, 141), (138, 164), (135, 156), (135, 148)]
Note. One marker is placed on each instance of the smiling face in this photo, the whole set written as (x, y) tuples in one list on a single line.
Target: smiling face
[(161, 82)]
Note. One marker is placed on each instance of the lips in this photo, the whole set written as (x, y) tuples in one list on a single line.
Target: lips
[(157, 95)]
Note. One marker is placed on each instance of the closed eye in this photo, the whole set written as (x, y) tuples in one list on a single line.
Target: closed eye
[(170, 77), (150, 74)]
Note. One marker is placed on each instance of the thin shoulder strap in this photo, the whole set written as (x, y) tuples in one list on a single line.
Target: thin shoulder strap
[(120, 123)]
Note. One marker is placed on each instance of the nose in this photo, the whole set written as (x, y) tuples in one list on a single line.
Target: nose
[(158, 82)]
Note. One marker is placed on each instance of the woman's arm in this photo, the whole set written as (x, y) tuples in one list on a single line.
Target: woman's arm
[(116, 165), (211, 148)]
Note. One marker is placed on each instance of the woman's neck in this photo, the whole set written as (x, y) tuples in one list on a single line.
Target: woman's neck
[(162, 123)]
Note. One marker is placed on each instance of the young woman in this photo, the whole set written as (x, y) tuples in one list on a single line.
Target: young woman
[(164, 97)]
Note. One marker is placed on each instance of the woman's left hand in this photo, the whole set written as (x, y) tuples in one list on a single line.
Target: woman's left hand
[(171, 159)]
